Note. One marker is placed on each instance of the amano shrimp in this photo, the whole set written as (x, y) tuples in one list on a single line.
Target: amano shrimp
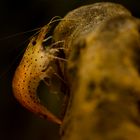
[(33, 68)]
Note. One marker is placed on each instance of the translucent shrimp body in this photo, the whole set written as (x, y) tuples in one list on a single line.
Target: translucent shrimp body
[(33, 68)]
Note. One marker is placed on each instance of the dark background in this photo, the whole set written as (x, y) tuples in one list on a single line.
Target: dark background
[(16, 123)]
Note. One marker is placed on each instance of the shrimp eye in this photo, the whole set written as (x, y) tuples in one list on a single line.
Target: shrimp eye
[(34, 42)]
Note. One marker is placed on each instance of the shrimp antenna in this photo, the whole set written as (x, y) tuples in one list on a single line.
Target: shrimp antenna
[(21, 33)]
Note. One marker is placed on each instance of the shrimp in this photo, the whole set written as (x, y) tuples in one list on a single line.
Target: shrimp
[(34, 67)]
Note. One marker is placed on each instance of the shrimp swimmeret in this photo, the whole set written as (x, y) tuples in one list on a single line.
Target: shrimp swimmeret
[(33, 68)]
